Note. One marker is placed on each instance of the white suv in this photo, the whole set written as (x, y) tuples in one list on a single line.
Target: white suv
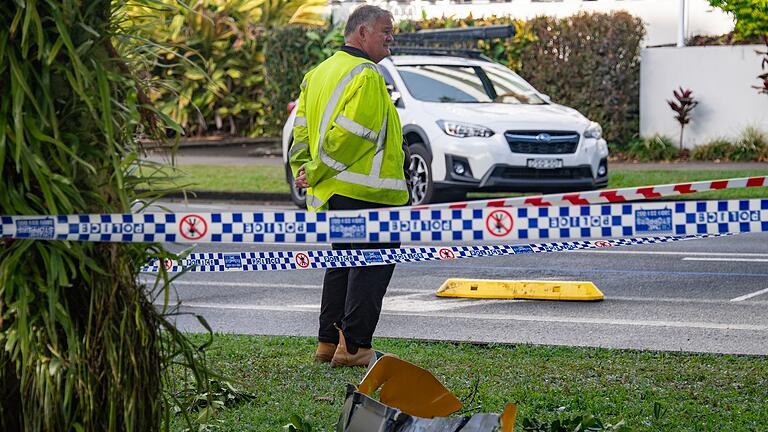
[(474, 125)]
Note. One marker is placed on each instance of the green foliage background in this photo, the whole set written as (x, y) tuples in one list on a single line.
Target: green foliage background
[(291, 51), (751, 16), (241, 67), (207, 67)]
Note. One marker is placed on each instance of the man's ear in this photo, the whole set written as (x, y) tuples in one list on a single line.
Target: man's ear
[(362, 32)]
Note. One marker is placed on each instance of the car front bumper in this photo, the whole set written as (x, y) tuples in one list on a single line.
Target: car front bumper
[(509, 178)]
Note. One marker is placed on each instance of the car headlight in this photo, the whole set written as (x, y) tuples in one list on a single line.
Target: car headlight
[(464, 130), (593, 131)]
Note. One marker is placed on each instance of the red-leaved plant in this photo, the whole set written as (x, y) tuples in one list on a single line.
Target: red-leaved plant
[(683, 105)]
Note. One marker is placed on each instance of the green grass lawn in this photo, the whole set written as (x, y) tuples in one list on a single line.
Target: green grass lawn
[(269, 178), (695, 392), (233, 178)]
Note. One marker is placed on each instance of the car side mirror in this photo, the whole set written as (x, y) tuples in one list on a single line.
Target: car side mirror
[(395, 96), (546, 98)]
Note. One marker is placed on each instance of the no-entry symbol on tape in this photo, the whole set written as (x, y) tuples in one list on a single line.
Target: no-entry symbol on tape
[(499, 223), (193, 227), (302, 260), (446, 254), (602, 244)]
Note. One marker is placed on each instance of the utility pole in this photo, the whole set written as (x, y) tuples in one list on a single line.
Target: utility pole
[(682, 23)]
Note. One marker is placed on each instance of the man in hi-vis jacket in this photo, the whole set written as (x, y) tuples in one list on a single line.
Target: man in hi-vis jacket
[(347, 151)]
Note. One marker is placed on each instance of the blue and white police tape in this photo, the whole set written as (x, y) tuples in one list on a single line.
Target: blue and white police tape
[(319, 259), (406, 225), (610, 195)]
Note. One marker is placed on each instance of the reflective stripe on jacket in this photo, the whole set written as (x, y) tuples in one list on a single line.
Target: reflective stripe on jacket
[(347, 134)]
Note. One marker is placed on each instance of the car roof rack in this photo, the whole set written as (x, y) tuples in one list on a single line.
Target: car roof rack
[(423, 37), (443, 42), (438, 51)]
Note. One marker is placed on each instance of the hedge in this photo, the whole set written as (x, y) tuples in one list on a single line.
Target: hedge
[(291, 51), (590, 62)]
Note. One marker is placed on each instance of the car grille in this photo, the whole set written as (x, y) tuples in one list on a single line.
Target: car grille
[(531, 173), (542, 142)]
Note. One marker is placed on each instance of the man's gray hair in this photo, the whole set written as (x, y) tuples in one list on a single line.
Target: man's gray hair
[(364, 15)]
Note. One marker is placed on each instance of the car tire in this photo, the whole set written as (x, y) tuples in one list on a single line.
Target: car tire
[(298, 195), (422, 188)]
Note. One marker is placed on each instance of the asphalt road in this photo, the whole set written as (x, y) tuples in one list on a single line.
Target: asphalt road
[(700, 296)]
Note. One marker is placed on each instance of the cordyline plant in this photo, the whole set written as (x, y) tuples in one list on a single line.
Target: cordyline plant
[(682, 106), (82, 347)]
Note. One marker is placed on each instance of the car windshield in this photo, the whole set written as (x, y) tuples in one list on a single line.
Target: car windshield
[(468, 84)]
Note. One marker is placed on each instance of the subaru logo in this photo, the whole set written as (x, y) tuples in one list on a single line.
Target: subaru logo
[(543, 138)]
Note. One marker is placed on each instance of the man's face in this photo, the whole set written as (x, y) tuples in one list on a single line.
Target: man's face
[(376, 39)]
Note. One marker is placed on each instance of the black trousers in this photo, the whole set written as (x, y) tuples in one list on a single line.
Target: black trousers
[(352, 297)]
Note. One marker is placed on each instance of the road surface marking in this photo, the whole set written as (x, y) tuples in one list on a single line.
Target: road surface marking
[(493, 317), (567, 270), (628, 252), (725, 259), (429, 292), (750, 295), (208, 283), (411, 303), (679, 300)]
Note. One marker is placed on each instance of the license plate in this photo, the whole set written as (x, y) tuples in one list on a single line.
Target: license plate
[(545, 163)]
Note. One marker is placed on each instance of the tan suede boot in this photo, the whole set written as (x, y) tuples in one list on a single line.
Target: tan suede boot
[(324, 352), (342, 357)]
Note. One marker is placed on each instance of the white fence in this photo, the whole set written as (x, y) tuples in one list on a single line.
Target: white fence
[(721, 78)]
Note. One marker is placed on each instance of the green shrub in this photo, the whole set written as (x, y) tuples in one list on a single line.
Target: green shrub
[(207, 72), (719, 149), (84, 348), (208, 68), (655, 148), (751, 146), (291, 51), (590, 62)]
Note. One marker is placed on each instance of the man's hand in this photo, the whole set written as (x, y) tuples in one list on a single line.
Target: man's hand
[(301, 180)]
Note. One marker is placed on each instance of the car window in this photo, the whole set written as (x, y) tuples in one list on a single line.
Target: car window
[(511, 88), (436, 83), (467, 84)]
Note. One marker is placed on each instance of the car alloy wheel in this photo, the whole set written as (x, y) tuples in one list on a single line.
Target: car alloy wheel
[(420, 177)]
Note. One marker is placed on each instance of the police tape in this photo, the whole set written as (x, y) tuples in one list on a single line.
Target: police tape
[(403, 225), (320, 259), (610, 195)]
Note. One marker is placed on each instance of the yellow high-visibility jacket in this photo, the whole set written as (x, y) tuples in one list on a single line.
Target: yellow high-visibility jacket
[(347, 134)]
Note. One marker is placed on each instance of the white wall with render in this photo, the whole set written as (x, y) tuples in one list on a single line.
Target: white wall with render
[(720, 77), (660, 16)]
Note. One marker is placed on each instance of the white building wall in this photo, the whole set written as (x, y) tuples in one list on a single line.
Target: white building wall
[(660, 16), (720, 77)]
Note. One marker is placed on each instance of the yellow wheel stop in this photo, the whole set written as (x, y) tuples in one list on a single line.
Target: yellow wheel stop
[(520, 289)]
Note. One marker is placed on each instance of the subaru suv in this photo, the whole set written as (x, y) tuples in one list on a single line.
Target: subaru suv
[(473, 125)]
